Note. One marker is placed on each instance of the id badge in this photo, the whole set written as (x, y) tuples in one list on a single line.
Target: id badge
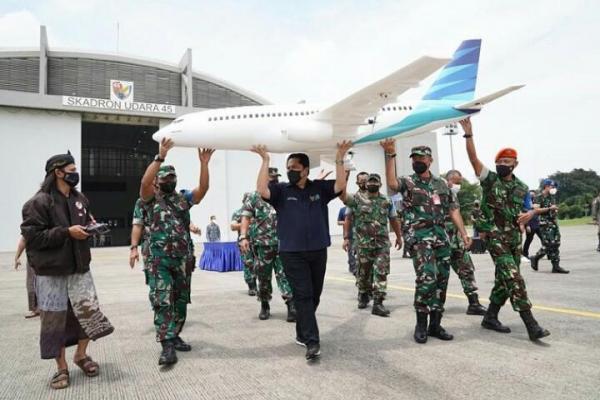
[(436, 199)]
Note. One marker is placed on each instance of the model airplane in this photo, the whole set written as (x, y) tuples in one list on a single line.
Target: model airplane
[(369, 115)]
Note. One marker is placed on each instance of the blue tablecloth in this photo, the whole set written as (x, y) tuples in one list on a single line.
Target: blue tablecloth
[(221, 257)]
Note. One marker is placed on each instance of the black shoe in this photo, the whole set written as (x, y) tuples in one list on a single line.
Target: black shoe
[(252, 289), (168, 356), (363, 300), (420, 334), (475, 308), (435, 329), (379, 309), (180, 345), (534, 330), (534, 262), (313, 351), (490, 320), (291, 311), (300, 342), (556, 269), (265, 310)]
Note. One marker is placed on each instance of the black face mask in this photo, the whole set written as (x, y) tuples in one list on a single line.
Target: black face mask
[(167, 187), (71, 178), (504, 170), (419, 167), (373, 188), (293, 176)]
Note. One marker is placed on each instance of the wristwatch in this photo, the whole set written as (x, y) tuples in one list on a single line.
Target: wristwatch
[(243, 237), (158, 158)]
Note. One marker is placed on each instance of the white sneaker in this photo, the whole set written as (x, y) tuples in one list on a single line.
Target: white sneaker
[(525, 259), (299, 343)]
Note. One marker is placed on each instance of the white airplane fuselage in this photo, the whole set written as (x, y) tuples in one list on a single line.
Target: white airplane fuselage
[(283, 128)]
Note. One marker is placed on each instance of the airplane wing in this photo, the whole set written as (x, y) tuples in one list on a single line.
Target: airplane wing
[(352, 111)]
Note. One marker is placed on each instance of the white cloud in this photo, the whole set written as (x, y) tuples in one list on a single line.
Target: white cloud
[(19, 29)]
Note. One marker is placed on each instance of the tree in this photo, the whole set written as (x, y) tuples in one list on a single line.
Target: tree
[(469, 192)]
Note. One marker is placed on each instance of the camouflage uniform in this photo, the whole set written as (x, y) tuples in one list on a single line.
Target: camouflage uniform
[(549, 232), (502, 202), (596, 216), (171, 258), (372, 241), (426, 205), (247, 257), (263, 235), (460, 259), (140, 217)]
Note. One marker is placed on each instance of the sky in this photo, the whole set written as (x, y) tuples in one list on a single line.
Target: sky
[(322, 51)]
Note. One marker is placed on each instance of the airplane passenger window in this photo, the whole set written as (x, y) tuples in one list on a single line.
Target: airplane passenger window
[(221, 118), (255, 115), (209, 119), (262, 115), (250, 116), (296, 113), (279, 114), (285, 114)]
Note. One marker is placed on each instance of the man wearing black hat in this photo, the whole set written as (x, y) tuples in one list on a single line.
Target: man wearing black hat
[(371, 212), (54, 228)]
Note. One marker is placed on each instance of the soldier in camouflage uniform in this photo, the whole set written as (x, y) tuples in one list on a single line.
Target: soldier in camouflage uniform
[(549, 232), (427, 203), (596, 216), (460, 257), (171, 257), (348, 225), (262, 233), (247, 256), (371, 212), (139, 236), (505, 208)]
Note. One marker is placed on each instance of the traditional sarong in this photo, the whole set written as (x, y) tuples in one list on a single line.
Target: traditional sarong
[(69, 312), (30, 284)]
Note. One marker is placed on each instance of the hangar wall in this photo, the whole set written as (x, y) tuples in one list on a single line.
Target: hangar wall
[(27, 139)]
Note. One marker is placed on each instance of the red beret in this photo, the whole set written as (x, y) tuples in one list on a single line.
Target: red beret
[(506, 153)]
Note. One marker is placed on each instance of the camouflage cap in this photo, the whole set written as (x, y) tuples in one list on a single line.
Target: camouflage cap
[(274, 172), (374, 177), (421, 151), (166, 170)]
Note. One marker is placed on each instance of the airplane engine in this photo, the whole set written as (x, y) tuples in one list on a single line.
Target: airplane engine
[(309, 131)]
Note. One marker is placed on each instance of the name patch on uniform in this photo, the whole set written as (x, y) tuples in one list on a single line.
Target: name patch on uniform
[(292, 198)]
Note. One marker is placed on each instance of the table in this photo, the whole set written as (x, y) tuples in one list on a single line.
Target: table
[(221, 257)]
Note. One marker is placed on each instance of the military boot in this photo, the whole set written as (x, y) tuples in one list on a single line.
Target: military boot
[(535, 260), (435, 329), (490, 320), (534, 330), (168, 355), (420, 334), (379, 309), (557, 269), (265, 310), (252, 289), (291, 311), (363, 300), (598, 248), (475, 308), (180, 345)]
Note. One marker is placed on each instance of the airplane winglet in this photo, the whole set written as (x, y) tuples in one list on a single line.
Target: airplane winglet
[(477, 104)]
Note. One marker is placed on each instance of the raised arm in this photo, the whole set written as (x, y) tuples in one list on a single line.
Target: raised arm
[(389, 148), (341, 176), (147, 186), (199, 192), (262, 182), (472, 153)]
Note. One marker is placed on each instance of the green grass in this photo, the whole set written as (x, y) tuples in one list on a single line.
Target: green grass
[(575, 221)]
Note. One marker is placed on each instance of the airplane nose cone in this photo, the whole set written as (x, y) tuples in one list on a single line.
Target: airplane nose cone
[(158, 135)]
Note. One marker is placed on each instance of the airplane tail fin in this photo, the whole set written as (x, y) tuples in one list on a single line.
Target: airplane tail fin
[(457, 80)]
